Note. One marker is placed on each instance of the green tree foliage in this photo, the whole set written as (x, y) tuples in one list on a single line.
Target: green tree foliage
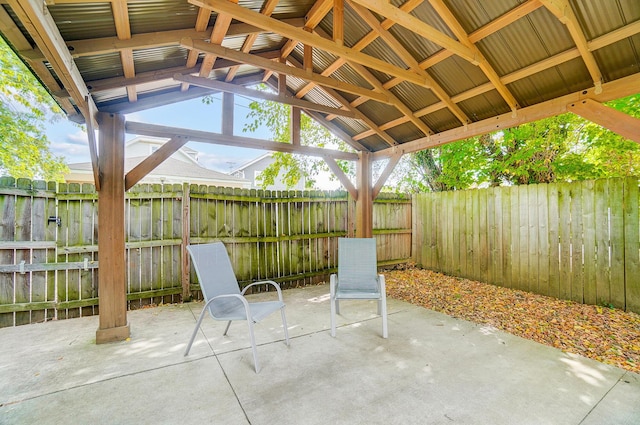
[(292, 168), (24, 108), (561, 148)]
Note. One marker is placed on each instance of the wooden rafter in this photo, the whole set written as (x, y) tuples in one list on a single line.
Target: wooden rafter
[(123, 31), (267, 9), (259, 20), (104, 45), (484, 65), (45, 33), (164, 74), (413, 64), (414, 24), (20, 43), (340, 99), (563, 11), (482, 32), (282, 68), (256, 94), (220, 28)]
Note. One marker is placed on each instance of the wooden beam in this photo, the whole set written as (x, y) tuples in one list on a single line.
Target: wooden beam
[(152, 161), (282, 68), (43, 30), (391, 165), (253, 18), (112, 291), (257, 94), (386, 9), (237, 141), (616, 121), (614, 90), (344, 180)]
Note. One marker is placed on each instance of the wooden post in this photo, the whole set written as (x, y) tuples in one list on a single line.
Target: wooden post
[(186, 230), (227, 113), (112, 290), (364, 203), (295, 126)]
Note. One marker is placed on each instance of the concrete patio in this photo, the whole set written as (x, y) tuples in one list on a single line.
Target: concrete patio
[(433, 369)]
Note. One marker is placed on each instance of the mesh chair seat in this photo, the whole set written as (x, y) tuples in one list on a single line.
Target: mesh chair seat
[(357, 278), (223, 299)]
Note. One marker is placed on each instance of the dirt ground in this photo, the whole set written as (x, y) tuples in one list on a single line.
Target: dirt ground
[(605, 334)]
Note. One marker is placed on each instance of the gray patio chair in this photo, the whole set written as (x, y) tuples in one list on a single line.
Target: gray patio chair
[(222, 295), (357, 278)]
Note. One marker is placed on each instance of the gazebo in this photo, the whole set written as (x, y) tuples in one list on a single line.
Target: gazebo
[(387, 77)]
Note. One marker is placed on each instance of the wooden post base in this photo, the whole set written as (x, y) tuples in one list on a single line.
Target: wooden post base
[(119, 333)]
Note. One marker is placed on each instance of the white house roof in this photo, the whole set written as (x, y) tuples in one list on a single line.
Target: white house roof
[(172, 168), (250, 163)]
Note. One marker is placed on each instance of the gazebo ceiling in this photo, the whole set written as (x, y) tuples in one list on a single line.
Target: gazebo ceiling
[(382, 75)]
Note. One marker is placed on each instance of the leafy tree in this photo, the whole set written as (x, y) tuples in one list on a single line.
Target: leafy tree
[(24, 107), (561, 148), (292, 167)]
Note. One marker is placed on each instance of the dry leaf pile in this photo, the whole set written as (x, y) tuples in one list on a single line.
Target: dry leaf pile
[(608, 335)]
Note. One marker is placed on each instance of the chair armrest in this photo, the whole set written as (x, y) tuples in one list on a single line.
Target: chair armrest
[(238, 296), (333, 284), (270, 282)]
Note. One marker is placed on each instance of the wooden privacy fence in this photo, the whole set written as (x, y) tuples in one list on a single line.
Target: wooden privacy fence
[(49, 241), (576, 241)]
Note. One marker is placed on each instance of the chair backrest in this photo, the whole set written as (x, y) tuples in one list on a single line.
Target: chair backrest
[(215, 274), (357, 264)]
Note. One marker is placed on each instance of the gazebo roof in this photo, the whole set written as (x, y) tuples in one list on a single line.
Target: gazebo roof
[(381, 75)]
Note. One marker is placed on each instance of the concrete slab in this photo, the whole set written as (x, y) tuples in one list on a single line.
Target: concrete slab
[(431, 369)]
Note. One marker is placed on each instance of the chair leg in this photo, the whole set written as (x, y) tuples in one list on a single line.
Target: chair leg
[(333, 302), (383, 304), (284, 326), (227, 328), (195, 331), (253, 345)]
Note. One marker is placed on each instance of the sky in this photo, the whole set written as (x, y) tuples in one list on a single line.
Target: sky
[(70, 141)]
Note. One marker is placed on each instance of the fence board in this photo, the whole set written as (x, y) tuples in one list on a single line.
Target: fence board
[(632, 245), (577, 283), (534, 252), (564, 217), (554, 241), (603, 290), (616, 195), (578, 241), (589, 241)]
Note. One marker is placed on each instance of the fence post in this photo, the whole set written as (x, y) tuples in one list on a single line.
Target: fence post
[(186, 231)]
